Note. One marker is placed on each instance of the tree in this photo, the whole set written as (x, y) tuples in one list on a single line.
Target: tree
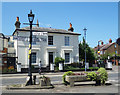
[(90, 57)]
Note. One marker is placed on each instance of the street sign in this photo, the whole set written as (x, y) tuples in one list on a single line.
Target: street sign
[(34, 39), (40, 33)]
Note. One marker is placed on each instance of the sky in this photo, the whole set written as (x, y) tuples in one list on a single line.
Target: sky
[(100, 18)]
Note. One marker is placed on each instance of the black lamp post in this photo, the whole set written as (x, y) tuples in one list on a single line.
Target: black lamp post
[(98, 46), (99, 52), (85, 45), (115, 54), (30, 18)]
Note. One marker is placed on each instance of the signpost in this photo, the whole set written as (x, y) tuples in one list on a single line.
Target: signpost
[(37, 37)]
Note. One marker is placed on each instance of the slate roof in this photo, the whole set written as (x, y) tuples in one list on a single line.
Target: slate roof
[(49, 30), (100, 46), (103, 47), (106, 46)]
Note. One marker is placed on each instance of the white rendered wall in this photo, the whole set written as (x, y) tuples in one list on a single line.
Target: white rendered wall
[(42, 49)]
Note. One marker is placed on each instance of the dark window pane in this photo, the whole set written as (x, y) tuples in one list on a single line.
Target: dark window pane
[(67, 57), (66, 41), (33, 56), (50, 40)]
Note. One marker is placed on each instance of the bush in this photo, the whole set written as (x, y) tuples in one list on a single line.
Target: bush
[(59, 60), (64, 75), (92, 76), (103, 75), (99, 76)]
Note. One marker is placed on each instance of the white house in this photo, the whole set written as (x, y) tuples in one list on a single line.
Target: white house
[(47, 44)]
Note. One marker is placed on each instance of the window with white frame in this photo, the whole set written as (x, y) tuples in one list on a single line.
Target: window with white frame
[(50, 40), (67, 43), (33, 57), (67, 57)]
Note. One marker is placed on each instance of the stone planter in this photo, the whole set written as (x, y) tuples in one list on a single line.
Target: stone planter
[(76, 78)]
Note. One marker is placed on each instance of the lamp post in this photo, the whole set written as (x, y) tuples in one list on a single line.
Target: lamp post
[(115, 54), (85, 45), (30, 18), (99, 52)]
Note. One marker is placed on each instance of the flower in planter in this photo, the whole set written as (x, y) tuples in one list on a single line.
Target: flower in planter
[(10, 68)]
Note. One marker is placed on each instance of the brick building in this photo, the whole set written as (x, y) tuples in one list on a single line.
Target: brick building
[(109, 48)]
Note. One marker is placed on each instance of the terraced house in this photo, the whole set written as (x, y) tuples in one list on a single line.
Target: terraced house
[(47, 44)]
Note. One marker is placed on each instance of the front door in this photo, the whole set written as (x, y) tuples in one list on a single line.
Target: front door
[(50, 58)]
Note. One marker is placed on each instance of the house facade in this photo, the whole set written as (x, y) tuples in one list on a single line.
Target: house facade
[(110, 48), (3, 51), (47, 44)]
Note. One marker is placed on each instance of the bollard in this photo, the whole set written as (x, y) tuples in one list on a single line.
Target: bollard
[(34, 79)]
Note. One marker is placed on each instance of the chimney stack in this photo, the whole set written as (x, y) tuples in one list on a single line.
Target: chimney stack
[(71, 28), (17, 23), (110, 41)]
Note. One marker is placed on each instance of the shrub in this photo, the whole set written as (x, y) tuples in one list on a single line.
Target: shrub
[(103, 75), (64, 75), (59, 60), (92, 76)]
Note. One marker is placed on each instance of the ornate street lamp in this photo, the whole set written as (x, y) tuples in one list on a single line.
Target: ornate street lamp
[(85, 45), (30, 18)]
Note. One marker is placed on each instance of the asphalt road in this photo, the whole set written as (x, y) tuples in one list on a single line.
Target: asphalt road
[(113, 77)]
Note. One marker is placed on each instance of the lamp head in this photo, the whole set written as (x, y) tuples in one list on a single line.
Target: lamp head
[(30, 17), (84, 29)]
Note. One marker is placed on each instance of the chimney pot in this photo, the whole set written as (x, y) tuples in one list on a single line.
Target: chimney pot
[(70, 25), (110, 41), (71, 28), (17, 19), (17, 23), (101, 43)]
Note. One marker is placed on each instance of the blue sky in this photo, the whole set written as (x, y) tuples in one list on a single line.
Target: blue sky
[(100, 18)]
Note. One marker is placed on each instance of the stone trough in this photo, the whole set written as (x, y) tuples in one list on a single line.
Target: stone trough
[(76, 78)]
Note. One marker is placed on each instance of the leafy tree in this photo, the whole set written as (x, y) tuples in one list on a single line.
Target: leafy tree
[(90, 57)]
